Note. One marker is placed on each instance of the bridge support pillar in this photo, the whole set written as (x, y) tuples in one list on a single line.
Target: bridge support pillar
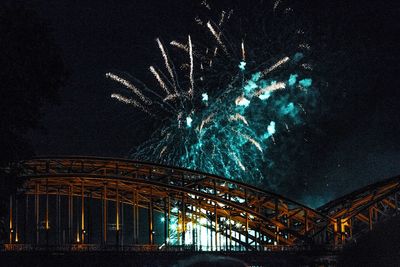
[(151, 241), (193, 225), (230, 230), (58, 217), (277, 235), (305, 222), (90, 220), (150, 219), (166, 220), (70, 213), (135, 215), (37, 209), (16, 229), (216, 227), (11, 227), (338, 235), (26, 238), (117, 226), (370, 218), (247, 221), (104, 206), (83, 229), (183, 220), (47, 226), (215, 216)]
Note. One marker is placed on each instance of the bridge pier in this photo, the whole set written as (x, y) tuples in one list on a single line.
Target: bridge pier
[(150, 219), (117, 226), (183, 224), (26, 235), (166, 221), (104, 214), (37, 212), (46, 220), (11, 227), (58, 216), (135, 216), (70, 237), (83, 229)]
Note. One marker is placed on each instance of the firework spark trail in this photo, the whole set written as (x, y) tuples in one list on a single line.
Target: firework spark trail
[(163, 150), (243, 52), (271, 88), (130, 86), (165, 57), (239, 162), (276, 4), (179, 45), (241, 101), (216, 36), (222, 19), (171, 71), (239, 117), (140, 94), (130, 101), (190, 92), (205, 121), (160, 81), (168, 66), (251, 140), (276, 65), (215, 51), (159, 105), (172, 97)]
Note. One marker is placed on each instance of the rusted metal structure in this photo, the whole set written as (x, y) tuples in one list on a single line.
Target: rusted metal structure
[(101, 203)]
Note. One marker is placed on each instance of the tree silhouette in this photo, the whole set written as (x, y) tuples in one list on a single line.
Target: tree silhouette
[(31, 73)]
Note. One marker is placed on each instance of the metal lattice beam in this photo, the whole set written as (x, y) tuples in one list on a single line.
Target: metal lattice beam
[(266, 214)]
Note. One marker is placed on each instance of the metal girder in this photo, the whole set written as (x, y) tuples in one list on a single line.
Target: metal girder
[(257, 216), (357, 212), (271, 215)]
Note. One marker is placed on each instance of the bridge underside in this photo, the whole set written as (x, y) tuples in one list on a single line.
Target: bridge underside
[(97, 203)]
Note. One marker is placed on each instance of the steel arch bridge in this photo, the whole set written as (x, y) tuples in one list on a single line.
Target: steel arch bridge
[(98, 203)]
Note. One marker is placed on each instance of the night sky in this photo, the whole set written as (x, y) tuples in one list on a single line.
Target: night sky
[(360, 141)]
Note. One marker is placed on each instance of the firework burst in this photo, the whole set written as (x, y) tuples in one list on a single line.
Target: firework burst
[(232, 99)]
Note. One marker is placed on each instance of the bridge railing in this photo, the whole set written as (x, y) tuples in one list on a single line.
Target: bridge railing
[(78, 247), (153, 248)]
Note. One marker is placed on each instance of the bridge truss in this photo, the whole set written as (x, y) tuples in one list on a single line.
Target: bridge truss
[(83, 201), (358, 212)]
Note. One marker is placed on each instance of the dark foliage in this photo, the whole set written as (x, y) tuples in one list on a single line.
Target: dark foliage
[(31, 72)]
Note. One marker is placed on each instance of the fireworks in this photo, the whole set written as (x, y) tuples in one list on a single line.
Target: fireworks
[(219, 125)]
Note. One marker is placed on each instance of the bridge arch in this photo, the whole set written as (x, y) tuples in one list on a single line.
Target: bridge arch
[(356, 213), (196, 209)]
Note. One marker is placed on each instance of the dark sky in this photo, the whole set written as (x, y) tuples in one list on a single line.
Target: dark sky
[(361, 144), (97, 38)]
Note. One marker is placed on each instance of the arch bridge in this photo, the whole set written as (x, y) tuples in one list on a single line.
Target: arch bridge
[(94, 203)]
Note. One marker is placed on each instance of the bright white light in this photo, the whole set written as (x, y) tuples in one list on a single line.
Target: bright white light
[(242, 65), (271, 128), (204, 97), (242, 101), (189, 122)]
